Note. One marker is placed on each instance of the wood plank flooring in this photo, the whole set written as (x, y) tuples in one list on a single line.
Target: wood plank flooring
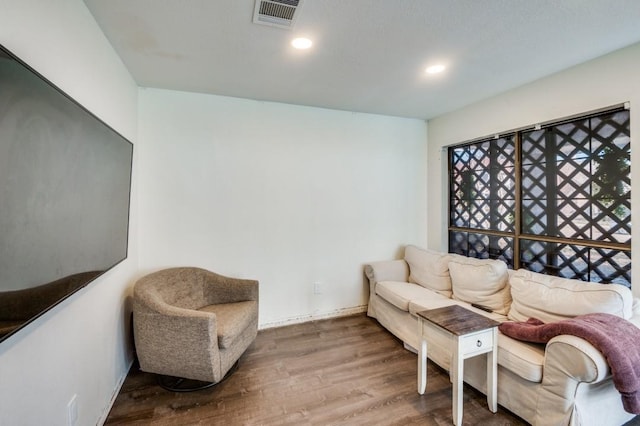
[(343, 371)]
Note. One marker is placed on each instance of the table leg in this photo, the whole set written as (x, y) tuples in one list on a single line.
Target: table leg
[(422, 367), (492, 374), (458, 375)]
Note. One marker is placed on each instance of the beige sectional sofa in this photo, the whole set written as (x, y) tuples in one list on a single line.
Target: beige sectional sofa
[(565, 382)]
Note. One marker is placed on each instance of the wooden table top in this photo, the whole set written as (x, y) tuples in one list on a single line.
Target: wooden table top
[(458, 320)]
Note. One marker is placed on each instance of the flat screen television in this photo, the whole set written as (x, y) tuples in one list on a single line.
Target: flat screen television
[(65, 184)]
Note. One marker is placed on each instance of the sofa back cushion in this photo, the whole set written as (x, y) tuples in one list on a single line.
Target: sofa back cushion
[(429, 268), (550, 298), (480, 281)]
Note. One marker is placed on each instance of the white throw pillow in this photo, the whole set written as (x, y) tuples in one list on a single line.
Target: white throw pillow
[(550, 298), (481, 281), (429, 268)]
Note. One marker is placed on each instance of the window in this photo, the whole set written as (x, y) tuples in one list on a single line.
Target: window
[(553, 199)]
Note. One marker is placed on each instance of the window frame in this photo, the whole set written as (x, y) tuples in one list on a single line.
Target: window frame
[(517, 235)]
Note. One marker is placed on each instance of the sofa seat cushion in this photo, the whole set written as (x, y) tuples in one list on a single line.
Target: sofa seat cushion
[(550, 298), (429, 268), (400, 294), (524, 359), (481, 281), (232, 319), (434, 301)]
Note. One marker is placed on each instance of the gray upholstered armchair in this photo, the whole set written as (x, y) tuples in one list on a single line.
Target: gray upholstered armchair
[(192, 323)]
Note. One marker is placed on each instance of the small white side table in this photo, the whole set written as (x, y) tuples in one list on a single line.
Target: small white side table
[(472, 334)]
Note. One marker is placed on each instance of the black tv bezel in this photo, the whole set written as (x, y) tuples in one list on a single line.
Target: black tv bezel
[(9, 54)]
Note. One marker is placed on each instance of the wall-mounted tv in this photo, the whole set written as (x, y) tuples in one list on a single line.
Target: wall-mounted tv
[(65, 183)]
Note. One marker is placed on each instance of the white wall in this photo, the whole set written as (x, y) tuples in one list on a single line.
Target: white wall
[(606, 81), (284, 194), (82, 346)]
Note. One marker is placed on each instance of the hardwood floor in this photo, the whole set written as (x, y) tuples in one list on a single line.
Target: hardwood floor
[(343, 371)]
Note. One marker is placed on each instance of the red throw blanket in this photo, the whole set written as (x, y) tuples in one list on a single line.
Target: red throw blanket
[(616, 338)]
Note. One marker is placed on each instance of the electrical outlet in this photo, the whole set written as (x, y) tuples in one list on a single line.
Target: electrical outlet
[(72, 410), (317, 288)]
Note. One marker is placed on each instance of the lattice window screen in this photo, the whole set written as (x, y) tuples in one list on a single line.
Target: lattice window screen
[(575, 198), (482, 197)]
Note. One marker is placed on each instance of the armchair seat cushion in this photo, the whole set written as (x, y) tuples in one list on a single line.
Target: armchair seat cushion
[(232, 319)]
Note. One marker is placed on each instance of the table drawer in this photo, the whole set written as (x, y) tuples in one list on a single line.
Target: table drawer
[(477, 342)]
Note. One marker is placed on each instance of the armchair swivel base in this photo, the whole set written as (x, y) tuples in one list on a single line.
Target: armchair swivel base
[(180, 384)]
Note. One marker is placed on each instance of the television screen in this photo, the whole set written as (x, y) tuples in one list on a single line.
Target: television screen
[(65, 179)]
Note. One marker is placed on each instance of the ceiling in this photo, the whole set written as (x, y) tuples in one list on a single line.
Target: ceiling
[(368, 55)]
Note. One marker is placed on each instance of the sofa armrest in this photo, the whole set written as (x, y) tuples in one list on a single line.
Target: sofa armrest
[(635, 313), (577, 358), (387, 270), (569, 361)]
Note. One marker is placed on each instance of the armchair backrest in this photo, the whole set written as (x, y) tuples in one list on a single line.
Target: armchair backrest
[(192, 288), (179, 287)]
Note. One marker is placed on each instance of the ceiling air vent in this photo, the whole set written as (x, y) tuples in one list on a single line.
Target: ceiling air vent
[(277, 13)]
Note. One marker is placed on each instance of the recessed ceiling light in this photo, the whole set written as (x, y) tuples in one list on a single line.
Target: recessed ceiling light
[(435, 69), (301, 43)]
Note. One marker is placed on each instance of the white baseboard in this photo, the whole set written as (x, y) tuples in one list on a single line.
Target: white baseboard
[(105, 413), (315, 316)]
